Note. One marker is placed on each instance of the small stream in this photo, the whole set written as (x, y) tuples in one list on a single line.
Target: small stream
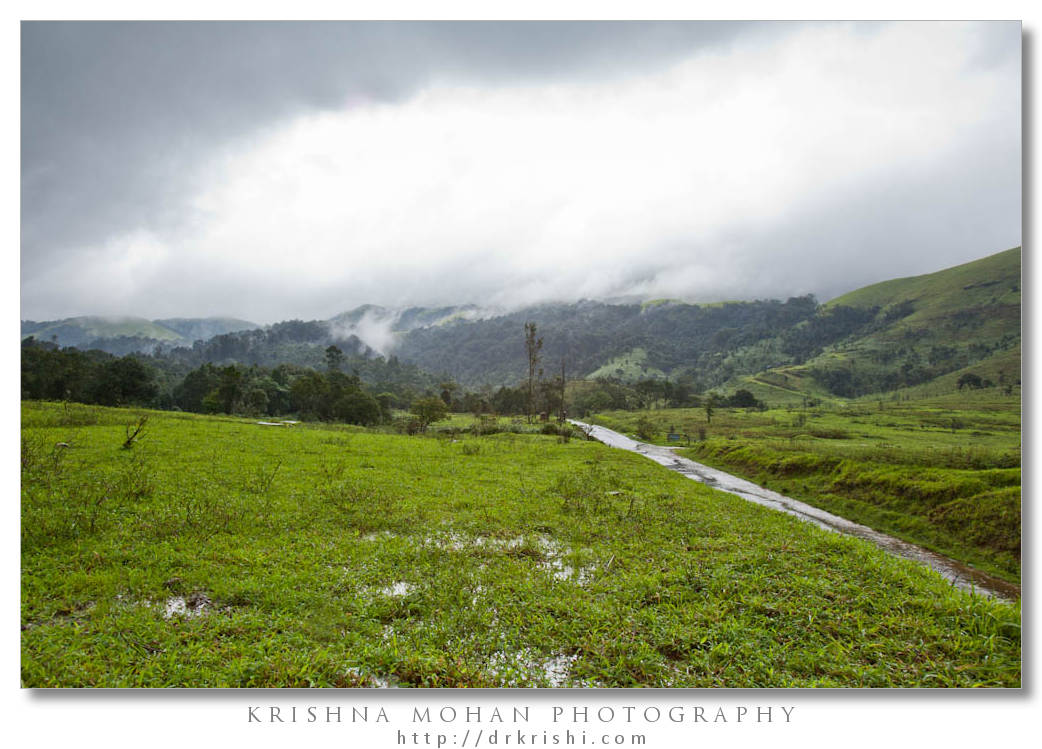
[(960, 575)]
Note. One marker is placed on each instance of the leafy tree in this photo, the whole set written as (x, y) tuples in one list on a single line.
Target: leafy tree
[(277, 395), (357, 407), (211, 403), (122, 381), (49, 372), (196, 385), (743, 399), (970, 380), (550, 395), (429, 410), (255, 401), (509, 400), (309, 395), (334, 358), (229, 389), (386, 401), (448, 392), (475, 403), (592, 401)]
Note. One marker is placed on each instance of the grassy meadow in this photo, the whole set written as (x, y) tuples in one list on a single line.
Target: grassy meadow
[(217, 552), (942, 472)]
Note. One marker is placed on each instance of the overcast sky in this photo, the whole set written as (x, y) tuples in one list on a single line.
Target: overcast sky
[(273, 171)]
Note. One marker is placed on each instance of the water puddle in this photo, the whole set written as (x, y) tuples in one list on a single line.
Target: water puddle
[(557, 567), (549, 555), (188, 607), (384, 682), (379, 536), (397, 590), (544, 551), (556, 670), (194, 605), (520, 666), (374, 681), (960, 575)]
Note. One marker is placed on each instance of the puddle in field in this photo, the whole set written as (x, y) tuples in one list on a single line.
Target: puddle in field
[(193, 605), (524, 667), (383, 682), (523, 664), (958, 574), (196, 604), (375, 681), (398, 589), (546, 553), (549, 556), (556, 670), (554, 564)]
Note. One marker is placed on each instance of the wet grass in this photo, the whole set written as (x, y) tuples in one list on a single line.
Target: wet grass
[(943, 473), (217, 552)]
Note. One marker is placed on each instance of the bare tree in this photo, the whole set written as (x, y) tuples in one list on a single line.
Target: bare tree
[(134, 432), (564, 414), (533, 346)]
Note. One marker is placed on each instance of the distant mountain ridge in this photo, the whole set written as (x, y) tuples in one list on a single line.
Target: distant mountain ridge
[(887, 336), (896, 334), (93, 331)]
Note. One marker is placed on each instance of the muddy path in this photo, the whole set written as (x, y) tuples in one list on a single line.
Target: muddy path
[(960, 575)]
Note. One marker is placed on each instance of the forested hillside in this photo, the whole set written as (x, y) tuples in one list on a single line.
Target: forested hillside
[(957, 327), (897, 334), (679, 339)]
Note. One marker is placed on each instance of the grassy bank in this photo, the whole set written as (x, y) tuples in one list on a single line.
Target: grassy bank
[(943, 472), (219, 552)]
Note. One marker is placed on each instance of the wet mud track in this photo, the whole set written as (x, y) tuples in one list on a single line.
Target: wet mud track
[(960, 575)]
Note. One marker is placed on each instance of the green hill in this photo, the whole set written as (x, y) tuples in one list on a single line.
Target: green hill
[(204, 328), (932, 328), (990, 281), (118, 335), (628, 367), (77, 331)]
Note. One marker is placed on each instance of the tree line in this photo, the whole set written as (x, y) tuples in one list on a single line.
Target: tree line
[(96, 377), (50, 372)]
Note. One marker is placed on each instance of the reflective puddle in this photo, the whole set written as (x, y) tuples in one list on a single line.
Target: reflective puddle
[(522, 666), (194, 605)]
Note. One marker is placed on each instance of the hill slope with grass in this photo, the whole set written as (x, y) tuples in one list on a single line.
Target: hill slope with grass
[(114, 334), (989, 282), (924, 334)]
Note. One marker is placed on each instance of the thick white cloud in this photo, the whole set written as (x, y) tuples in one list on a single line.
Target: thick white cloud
[(734, 173)]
